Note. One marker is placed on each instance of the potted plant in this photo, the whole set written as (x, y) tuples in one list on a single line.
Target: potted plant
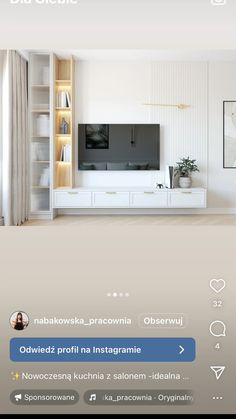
[(184, 168)]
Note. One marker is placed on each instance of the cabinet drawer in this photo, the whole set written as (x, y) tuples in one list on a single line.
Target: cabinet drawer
[(111, 199), (72, 199), (149, 199), (187, 199)]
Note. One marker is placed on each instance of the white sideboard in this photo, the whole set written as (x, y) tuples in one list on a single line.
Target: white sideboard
[(129, 198)]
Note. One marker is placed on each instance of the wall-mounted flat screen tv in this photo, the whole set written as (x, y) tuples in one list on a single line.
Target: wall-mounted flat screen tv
[(119, 146)]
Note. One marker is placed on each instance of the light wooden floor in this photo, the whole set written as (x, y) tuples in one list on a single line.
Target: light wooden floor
[(139, 220)]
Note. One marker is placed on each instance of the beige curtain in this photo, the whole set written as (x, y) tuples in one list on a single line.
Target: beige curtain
[(15, 141)]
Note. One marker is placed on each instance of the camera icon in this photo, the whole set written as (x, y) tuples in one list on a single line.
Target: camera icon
[(218, 2)]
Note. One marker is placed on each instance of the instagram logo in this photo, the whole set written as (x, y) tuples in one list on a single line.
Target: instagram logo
[(218, 2)]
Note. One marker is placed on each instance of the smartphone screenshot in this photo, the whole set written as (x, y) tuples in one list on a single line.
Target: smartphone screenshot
[(117, 207)]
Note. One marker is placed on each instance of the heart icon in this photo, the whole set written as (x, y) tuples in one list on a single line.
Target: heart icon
[(218, 285)]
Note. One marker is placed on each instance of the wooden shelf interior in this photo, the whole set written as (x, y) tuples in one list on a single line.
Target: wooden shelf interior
[(63, 116), (60, 142), (63, 174), (64, 110), (63, 169), (63, 82), (63, 70)]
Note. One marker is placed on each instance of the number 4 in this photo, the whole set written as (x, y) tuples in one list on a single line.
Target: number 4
[(217, 346)]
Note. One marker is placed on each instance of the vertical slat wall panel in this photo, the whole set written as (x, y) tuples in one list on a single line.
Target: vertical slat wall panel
[(183, 132)]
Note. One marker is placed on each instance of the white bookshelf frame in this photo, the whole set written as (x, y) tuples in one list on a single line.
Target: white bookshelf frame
[(40, 92)]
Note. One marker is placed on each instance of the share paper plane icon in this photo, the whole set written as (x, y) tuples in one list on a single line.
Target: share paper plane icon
[(218, 371)]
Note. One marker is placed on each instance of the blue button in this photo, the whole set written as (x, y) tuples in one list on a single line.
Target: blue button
[(102, 349)]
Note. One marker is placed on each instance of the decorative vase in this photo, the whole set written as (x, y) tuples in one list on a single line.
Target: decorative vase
[(169, 178), (185, 182), (64, 127)]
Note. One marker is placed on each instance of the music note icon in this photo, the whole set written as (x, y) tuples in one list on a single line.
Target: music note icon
[(93, 398)]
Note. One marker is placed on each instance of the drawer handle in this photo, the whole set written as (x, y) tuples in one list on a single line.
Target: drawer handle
[(189, 192), (111, 193), (73, 193), (149, 193)]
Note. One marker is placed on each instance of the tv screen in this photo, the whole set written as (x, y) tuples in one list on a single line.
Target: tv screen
[(119, 146)]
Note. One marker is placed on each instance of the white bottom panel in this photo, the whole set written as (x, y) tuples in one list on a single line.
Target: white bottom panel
[(149, 199), (187, 199), (40, 200), (41, 215), (72, 199), (111, 199)]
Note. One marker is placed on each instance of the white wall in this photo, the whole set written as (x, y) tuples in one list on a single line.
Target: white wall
[(183, 132), (221, 182), (1, 104), (112, 92), (115, 91)]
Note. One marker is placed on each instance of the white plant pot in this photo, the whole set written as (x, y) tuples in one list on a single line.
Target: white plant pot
[(185, 182)]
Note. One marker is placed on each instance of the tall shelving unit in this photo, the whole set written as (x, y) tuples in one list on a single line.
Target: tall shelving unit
[(63, 152), (40, 121)]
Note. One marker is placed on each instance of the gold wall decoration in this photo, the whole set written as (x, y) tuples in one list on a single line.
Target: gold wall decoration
[(167, 105)]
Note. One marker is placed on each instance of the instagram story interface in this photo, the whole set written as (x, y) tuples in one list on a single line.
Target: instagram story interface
[(117, 206)]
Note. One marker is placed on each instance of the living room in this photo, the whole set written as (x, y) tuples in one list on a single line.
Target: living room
[(188, 95)]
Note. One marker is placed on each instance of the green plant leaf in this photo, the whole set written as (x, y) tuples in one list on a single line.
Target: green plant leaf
[(186, 166)]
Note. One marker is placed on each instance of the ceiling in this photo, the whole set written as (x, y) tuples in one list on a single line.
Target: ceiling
[(147, 55)]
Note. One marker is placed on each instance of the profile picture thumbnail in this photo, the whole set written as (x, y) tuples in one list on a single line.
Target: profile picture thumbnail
[(19, 320)]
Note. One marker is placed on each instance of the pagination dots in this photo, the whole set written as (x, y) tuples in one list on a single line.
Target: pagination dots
[(118, 294)]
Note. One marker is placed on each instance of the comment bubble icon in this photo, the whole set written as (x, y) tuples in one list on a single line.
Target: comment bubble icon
[(218, 328)]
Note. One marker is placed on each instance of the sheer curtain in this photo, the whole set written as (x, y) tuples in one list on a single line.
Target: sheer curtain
[(15, 140)]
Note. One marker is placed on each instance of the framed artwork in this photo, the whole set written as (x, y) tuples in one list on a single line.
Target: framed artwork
[(229, 135), (97, 136)]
